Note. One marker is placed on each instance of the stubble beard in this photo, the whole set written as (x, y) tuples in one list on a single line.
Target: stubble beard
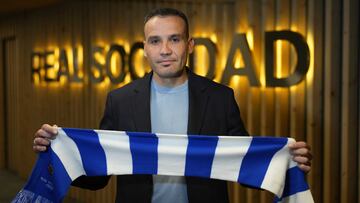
[(171, 74)]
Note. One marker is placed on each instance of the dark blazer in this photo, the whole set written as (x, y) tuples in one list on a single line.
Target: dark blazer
[(212, 111)]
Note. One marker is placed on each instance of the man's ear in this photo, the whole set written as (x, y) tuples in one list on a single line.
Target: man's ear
[(191, 45), (144, 49)]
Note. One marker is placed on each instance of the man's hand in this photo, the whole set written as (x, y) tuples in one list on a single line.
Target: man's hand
[(43, 136), (301, 155)]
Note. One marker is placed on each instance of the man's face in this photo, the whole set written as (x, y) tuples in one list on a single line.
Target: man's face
[(166, 46)]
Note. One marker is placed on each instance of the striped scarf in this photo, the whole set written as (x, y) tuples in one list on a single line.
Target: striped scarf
[(258, 162)]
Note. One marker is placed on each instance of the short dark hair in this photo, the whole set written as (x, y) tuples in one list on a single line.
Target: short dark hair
[(168, 12)]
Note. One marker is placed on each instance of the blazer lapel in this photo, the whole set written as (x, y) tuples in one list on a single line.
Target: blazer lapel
[(141, 105), (197, 103)]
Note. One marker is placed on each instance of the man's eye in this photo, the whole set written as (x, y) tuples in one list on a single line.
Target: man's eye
[(175, 39), (154, 41)]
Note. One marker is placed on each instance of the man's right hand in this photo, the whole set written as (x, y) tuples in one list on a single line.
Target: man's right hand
[(43, 136)]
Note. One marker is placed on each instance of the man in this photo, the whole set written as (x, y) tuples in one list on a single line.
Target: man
[(171, 99)]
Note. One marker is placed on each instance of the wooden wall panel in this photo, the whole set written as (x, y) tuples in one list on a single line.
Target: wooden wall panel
[(350, 102), (12, 114), (297, 92), (315, 98), (3, 149), (323, 109), (332, 91), (358, 143)]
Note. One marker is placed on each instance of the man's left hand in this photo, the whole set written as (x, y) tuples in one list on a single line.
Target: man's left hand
[(302, 155)]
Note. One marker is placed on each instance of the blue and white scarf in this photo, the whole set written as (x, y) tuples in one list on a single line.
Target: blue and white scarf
[(259, 162)]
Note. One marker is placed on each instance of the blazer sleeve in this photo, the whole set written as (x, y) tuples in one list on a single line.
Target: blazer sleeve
[(98, 182)]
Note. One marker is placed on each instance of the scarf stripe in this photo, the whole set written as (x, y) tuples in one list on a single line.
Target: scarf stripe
[(227, 162), (172, 154), (144, 152), (256, 161), (199, 156), (117, 152), (70, 157), (92, 156)]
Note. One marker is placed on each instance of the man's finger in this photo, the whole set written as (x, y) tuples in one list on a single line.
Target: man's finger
[(297, 145), (41, 141), (38, 148), (42, 133), (302, 160), (300, 152), (304, 168), (50, 129)]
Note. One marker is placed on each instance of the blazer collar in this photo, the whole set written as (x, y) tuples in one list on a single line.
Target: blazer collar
[(197, 103)]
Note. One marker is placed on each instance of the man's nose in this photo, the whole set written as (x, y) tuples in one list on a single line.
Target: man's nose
[(165, 49)]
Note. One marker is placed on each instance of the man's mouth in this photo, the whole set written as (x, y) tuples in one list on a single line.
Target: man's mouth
[(166, 62)]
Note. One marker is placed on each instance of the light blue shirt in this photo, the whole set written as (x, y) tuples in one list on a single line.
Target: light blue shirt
[(169, 114)]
